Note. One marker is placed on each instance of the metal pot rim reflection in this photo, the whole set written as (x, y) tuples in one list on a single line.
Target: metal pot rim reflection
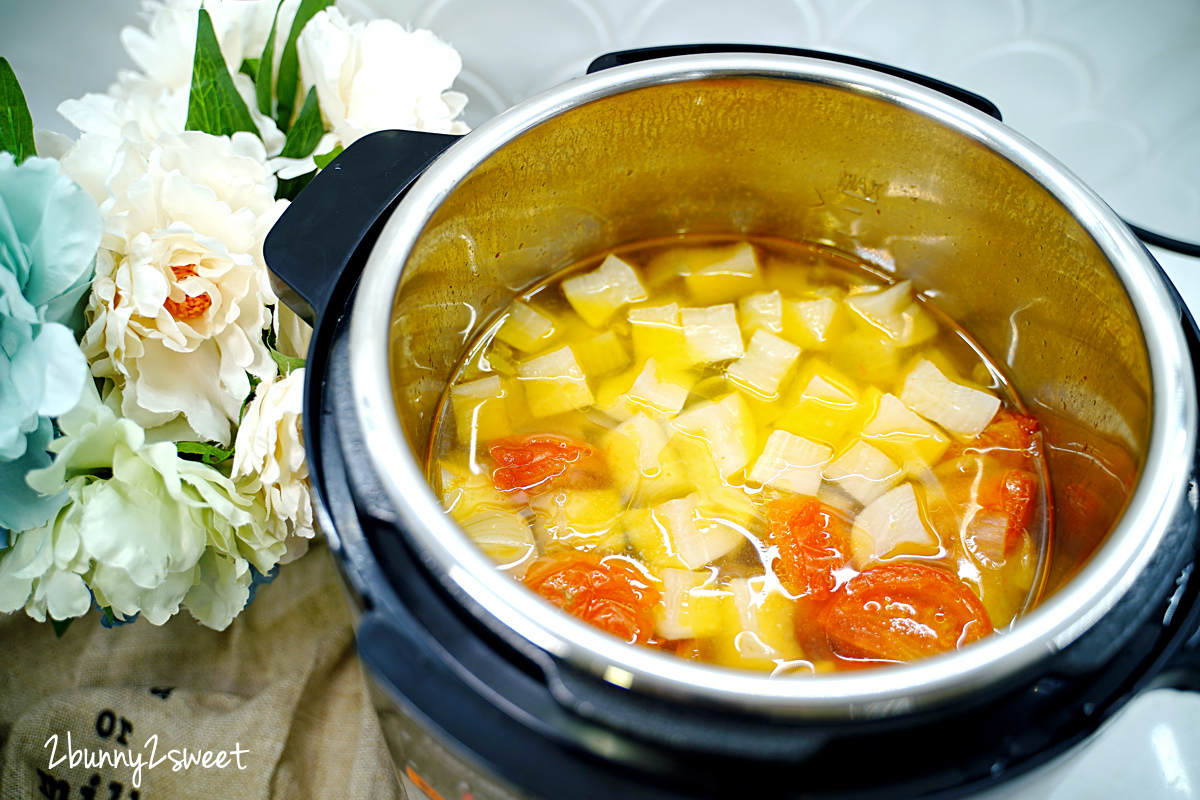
[(518, 615)]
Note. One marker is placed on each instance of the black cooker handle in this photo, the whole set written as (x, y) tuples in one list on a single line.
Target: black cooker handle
[(624, 57), (310, 246)]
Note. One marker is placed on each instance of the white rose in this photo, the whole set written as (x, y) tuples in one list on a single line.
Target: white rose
[(269, 451), (156, 100), (375, 76), (158, 532), (180, 297), (43, 568)]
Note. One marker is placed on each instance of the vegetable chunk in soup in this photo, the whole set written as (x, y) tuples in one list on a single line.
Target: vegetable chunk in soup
[(751, 454)]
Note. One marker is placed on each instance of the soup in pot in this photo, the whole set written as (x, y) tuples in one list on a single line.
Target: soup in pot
[(749, 453)]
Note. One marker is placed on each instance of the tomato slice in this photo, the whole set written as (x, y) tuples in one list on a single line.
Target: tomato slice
[(812, 543), (904, 611), (608, 593), (542, 461)]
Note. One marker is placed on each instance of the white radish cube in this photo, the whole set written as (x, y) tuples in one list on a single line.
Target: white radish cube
[(479, 409), (525, 329), (656, 394), (712, 334), (599, 294), (809, 321), (718, 504), (746, 601), (791, 463), (884, 308), (863, 472), (464, 490), (890, 525), (727, 427), (649, 438), (963, 411), (503, 535), (601, 355), (733, 274), (583, 519), (648, 392), (678, 584), (762, 312), (898, 429), (895, 311), (765, 364), (657, 334), (554, 383), (823, 391), (695, 545)]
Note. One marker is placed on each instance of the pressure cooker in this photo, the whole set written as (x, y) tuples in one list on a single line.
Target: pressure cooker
[(409, 244)]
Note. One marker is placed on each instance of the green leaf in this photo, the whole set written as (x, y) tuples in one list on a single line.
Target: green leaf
[(214, 106), (287, 86), (210, 454), (16, 126), (60, 625), (286, 363), (303, 137), (249, 68), (290, 188), (263, 82), (326, 159), (108, 612)]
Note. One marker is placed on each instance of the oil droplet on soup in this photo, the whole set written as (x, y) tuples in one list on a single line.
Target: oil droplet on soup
[(748, 453)]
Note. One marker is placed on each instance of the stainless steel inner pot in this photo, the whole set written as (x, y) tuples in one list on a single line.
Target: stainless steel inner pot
[(987, 226)]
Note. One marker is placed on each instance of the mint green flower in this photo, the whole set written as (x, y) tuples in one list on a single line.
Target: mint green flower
[(49, 233)]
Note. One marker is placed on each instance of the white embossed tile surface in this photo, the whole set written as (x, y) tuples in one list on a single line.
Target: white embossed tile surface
[(1110, 87)]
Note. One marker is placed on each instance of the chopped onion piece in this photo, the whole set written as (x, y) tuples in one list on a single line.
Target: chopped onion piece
[(985, 535), (599, 294), (791, 463), (712, 334), (891, 525), (503, 535), (863, 472), (765, 363), (554, 383), (963, 411)]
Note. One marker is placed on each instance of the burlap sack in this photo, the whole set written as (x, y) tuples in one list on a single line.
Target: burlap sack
[(277, 701)]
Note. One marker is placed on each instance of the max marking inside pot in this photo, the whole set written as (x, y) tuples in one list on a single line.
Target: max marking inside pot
[(751, 454)]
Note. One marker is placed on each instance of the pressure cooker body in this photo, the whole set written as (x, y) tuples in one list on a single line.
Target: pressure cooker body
[(477, 678)]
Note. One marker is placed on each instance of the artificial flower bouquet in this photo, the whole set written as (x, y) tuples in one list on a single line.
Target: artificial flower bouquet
[(151, 452)]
